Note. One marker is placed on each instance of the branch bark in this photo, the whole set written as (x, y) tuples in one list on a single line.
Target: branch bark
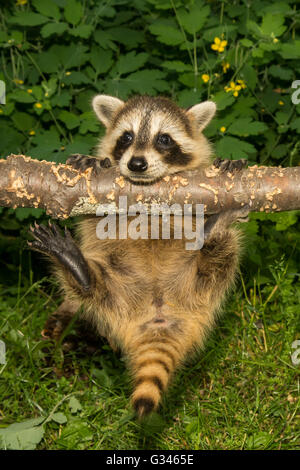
[(64, 192)]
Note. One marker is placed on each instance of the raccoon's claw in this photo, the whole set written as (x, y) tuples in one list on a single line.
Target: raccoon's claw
[(50, 241), (230, 165), (82, 162)]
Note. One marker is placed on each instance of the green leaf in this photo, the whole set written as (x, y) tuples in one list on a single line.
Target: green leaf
[(290, 50), (194, 19), (73, 12), (232, 148), (74, 405), (23, 213), (70, 119), (131, 62), (245, 126), (177, 65), (101, 59), (166, 34), (53, 28), (22, 436), (223, 100), (59, 418), (82, 31), (89, 123), (128, 37), (281, 72), (272, 25), (28, 19), (23, 121), (47, 8), (22, 96)]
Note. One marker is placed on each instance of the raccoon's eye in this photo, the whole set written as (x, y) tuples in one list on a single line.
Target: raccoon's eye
[(126, 138), (164, 140)]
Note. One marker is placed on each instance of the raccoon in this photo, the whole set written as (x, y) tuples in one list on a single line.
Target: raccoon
[(152, 299)]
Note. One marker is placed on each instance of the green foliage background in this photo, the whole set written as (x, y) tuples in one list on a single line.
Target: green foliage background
[(57, 54)]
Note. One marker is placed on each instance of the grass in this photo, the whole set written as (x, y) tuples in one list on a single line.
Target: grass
[(242, 392)]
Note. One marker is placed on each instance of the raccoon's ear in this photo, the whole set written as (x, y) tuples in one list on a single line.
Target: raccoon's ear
[(202, 113), (106, 107)]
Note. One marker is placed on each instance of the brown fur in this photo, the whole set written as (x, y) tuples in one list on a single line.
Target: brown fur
[(153, 299)]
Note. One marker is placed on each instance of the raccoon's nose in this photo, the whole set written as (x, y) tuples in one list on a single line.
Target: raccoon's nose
[(137, 164)]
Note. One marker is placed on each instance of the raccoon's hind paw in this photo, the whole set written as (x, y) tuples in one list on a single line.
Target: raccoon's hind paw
[(220, 222), (50, 241), (82, 162), (230, 165)]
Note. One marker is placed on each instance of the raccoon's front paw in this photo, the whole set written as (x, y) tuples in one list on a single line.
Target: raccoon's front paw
[(63, 249), (82, 162), (230, 165)]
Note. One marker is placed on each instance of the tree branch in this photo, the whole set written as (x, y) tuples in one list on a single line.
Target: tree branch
[(65, 192)]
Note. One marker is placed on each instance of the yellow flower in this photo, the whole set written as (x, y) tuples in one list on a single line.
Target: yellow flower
[(281, 103), (32, 133), (275, 40), (225, 66), (38, 105), (18, 82), (242, 83), (21, 2), (205, 77), (219, 45), (223, 129), (29, 90), (1, 111), (235, 87), (68, 73)]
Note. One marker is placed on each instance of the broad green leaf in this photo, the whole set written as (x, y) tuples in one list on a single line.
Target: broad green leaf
[(245, 126), (194, 19), (59, 418), (230, 147), (53, 28), (290, 50), (22, 96), (249, 75), (82, 31), (101, 59), (272, 25), (169, 35), (28, 19), (47, 8), (281, 72), (62, 100), (23, 121), (89, 123), (73, 12), (70, 119), (223, 100), (74, 405), (295, 125), (129, 37), (75, 78), (177, 65), (22, 436), (131, 62), (105, 39)]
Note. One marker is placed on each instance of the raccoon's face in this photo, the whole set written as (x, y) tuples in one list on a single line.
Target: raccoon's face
[(150, 138)]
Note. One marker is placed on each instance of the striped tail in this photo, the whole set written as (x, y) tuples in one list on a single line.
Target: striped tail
[(153, 364)]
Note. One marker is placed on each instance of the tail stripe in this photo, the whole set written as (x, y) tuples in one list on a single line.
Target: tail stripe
[(160, 349), (150, 362), (154, 380)]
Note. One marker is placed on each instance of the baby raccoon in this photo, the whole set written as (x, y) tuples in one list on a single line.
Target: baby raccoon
[(153, 299)]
